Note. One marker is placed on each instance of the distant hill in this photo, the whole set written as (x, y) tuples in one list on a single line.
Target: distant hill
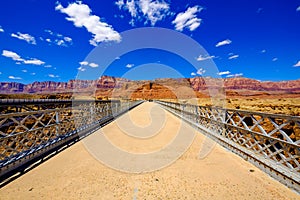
[(108, 86)]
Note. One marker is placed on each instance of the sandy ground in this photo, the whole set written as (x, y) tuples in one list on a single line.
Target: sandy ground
[(275, 105), (77, 174)]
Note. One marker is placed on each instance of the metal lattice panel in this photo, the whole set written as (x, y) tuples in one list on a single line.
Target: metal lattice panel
[(24, 133), (270, 138)]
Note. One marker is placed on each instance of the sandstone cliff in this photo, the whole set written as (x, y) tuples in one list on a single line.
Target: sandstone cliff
[(107, 86)]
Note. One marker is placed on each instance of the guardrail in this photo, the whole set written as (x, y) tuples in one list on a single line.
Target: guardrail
[(25, 136), (269, 141), (24, 105), (3, 101)]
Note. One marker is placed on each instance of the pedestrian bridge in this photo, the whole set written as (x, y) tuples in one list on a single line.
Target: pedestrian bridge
[(145, 150)]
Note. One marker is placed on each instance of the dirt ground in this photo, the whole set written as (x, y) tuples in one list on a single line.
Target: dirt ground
[(287, 106)]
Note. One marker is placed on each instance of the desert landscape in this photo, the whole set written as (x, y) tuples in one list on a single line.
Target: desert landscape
[(149, 99), (233, 93)]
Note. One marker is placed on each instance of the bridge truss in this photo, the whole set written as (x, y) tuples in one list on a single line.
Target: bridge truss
[(31, 129), (269, 141)]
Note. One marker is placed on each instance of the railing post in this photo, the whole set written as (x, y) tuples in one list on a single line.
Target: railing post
[(57, 120), (92, 111)]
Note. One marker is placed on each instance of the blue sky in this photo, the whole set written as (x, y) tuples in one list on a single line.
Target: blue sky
[(50, 40)]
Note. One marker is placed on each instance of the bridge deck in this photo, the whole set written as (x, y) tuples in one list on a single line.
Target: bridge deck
[(76, 174)]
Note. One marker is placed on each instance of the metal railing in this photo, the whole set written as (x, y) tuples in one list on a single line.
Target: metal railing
[(24, 105), (25, 136), (270, 141)]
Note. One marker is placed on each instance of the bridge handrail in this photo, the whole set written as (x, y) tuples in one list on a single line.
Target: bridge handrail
[(27, 135), (239, 110), (243, 129), (29, 101), (269, 140)]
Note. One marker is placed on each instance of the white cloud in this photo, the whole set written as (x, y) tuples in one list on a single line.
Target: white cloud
[(68, 39), (297, 64), (60, 42), (93, 65), (188, 19), (58, 39), (263, 51), (233, 57), (34, 61), (53, 76), (16, 57), (132, 9), (131, 22), (82, 69), (149, 10), (120, 3), (154, 10), (33, 73), (129, 65), (234, 75), (49, 31), (24, 36), (24, 70), (193, 74), (201, 71), (80, 15), (274, 59), (1, 29), (84, 63), (224, 42), (117, 58), (202, 58), (223, 73), (298, 9), (14, 78), (12, 55), (48, 66)]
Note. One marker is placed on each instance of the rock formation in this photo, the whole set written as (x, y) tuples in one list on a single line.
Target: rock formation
[(107, 86)]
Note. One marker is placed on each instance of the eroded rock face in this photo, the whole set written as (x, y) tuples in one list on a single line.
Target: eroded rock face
[(242, 83), (11, 87), (282, 85), (49, 86), (250, 84), (107, 86), (198, 83)]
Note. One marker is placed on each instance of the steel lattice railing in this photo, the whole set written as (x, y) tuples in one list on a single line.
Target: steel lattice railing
[(26, 135), (24, 105), (270, 141)]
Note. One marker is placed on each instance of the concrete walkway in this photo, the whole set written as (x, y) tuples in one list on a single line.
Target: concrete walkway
[(76, 173)]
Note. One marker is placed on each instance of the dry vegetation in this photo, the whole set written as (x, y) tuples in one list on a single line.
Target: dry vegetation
[(288, 106), (36, 96), (273, 104)]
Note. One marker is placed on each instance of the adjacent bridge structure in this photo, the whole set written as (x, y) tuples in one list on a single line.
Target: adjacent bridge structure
[(31, 130)]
